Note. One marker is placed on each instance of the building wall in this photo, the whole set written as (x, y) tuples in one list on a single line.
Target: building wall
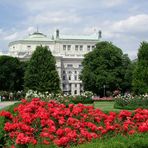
[(69, 55)]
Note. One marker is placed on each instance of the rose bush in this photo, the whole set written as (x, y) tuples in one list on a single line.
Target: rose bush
[(131, 102), (40, 122), (85, 97)]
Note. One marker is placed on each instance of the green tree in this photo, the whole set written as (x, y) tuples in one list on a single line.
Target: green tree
[(127, 72), (140, 76), (104, 68), (11, 74), (41, 73)]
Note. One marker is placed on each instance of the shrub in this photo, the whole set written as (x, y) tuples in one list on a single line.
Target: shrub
[(131, 102), (39, 122), (11, 96), (3, 120), (85, 98)]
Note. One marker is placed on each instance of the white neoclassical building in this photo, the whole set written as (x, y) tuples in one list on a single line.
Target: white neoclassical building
[(68, 50)]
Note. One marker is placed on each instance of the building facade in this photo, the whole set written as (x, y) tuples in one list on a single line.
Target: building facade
[(68, 50)]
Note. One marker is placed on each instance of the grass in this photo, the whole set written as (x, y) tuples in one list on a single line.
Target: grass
[(134, 141), (119, 141), (105, 106)]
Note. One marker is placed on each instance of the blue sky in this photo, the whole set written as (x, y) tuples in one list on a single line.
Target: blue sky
[(123, 22)]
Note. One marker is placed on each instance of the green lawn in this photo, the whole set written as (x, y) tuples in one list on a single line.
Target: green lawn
[(105, 106), (134, 141)]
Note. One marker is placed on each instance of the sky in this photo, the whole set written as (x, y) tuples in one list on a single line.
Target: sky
[(122, 22)]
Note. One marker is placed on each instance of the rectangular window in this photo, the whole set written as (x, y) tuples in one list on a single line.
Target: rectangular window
[(28, 46), (81, 47), (63, 77), (88, 48), (76, 47), (63, 71), (80, 66), (75, 77), (75, 92), (69, 65), (69, 77), (69, 47), (75, 85), (64, 86), (93, 47), (64, 47)]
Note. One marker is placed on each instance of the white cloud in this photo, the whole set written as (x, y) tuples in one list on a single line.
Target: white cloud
[(58, 17), (135, 23), (125, 33), (11, 36), (112, 3)]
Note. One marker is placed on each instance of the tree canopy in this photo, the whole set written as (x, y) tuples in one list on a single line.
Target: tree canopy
[(41, 73), (140, 76), (11, 74), (105, 68)]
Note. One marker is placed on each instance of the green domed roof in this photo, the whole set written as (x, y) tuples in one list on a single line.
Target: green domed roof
[(37, 36)]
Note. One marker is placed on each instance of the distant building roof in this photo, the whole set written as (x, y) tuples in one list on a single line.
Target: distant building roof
[(79, 37), (40, 37), (37, 36)]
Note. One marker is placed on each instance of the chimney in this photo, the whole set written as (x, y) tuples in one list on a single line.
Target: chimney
[(57, 34), (99, 34)]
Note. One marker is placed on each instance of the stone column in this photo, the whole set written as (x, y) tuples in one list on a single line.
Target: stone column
[(72, 89), (78, 89)]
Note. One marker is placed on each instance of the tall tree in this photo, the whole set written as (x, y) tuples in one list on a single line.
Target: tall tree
[(127, 73), (140, 76), (41, 73), (11, 74), (104, 68)]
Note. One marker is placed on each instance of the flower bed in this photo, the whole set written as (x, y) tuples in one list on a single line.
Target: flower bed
[(11, 96), (103, 99), (131, 102), (85, 97), (39, 122)]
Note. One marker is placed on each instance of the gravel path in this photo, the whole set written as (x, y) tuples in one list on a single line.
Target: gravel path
[(6, 103)]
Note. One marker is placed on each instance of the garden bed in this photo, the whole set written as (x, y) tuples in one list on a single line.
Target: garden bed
[(130, 102), (51, 123)]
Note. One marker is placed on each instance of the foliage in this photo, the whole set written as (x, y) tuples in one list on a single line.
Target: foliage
[(140, 76), (41, 74), (11, 96), (84, 98), (2, 131), (45, 96), (105, 106), (105, 68), (39, 122), (119, 141), (2, 123), (131, 102), (11, 74), (128, 77)]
